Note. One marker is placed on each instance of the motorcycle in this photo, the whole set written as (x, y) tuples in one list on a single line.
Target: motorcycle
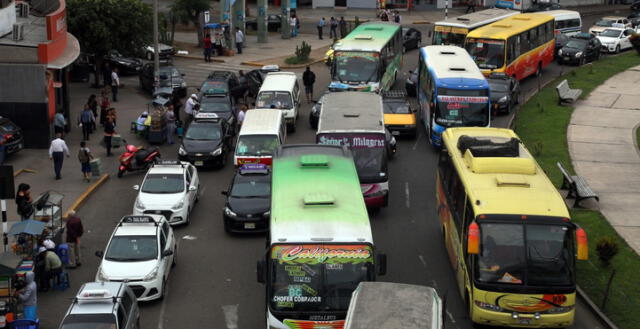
[(137, 158)]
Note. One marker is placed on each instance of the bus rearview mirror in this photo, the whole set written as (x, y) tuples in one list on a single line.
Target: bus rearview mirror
[(583, 245), (260, 269), (473, 239)]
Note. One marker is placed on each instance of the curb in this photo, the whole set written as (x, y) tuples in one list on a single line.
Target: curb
[(80, 200), (200, 58), (595, 309), (20, 171)]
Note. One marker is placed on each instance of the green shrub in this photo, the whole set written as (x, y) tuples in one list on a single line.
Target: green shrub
[(302, 52), (607, 248)]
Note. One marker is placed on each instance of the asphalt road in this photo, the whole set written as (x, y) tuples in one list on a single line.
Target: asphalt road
[(214, 284)]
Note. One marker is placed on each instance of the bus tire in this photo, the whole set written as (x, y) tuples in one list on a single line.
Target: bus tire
[(539, 71)]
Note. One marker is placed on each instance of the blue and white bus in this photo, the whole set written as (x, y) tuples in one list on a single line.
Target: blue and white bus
[(452, 92)]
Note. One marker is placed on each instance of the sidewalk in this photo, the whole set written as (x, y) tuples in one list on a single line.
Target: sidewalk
[(602, 144)]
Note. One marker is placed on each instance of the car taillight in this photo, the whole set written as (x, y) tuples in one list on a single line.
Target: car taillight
[(7, 136)]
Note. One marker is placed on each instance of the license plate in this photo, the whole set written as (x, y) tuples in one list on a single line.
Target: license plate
[(247, 161), (249, 226), (524, 321), (198, 163), (20, 146), (395, 133), (567, 58)]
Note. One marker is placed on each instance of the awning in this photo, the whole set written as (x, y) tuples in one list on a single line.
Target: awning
[(68, 56), (9, 263), (28, 226)]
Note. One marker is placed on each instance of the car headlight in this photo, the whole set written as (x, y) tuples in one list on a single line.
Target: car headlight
[(578, 54), (182, 151), (152, 275), (488, 306), (228, 212), (230, 121), (218, 151), (502, 99), (560, 52), (139, 204), (267, 213), (101, 275), (183, 84), (178, 205)]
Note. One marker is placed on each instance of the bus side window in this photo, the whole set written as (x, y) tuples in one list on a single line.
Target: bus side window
[(541, 34), (533, 37), (550, 32), (524, 42), (511, 49), (458, 197)]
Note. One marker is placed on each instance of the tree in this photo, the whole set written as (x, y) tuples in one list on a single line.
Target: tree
[(103, 25), (189, 11)]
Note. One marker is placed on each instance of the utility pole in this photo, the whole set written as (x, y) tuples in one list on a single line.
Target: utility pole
[(156, 52), (262, 21), (286, 13), (446, 9)]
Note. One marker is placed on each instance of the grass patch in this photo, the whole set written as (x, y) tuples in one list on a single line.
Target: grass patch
[(542, 125), (293, 60)]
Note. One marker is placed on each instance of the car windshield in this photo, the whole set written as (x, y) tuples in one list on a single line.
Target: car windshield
[(396, 107), (498, 86), (8, 127), (448, 38), (487, 53), (307, 278), (355, 66), (203, 132), (89, 321), (604, 23), (532, 254), (462, 107), (257, 145), (213, 87), (368, 153), (274, 100), (610, 33), (167, 71), (163, 183), (132, 248), (576, 44), (215, 105), (251, 186)]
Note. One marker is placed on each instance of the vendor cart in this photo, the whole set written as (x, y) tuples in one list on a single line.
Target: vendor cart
[(26, 235), (12, 270), (48, 209), (157, 111)]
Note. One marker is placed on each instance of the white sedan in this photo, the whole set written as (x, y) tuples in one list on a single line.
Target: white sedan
[(170, 188), (614, 40)]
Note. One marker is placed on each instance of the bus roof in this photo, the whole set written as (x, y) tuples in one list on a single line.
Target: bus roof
[(371, 36), (387, 305), (346, 112), (509, 26), (562, 13), (479, 18), (261, 122), (279, 81), (316, 196), (453, 65), (502, 184)]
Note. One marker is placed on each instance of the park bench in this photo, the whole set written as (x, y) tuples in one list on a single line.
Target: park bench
[(577, 187), (566, 94)]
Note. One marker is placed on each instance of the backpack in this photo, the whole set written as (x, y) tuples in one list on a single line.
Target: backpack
[(83, 155), (85, 117)]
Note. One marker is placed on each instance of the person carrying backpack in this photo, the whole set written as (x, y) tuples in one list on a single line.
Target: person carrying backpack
[(85, 157), (86, 121)]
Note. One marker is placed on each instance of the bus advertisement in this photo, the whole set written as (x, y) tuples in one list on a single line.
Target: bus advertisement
[(519, 46), (452, 92), (453, 31), (507, 231), (368, 59)]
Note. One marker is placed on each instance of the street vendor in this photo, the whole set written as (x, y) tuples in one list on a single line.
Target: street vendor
[(29, 297)]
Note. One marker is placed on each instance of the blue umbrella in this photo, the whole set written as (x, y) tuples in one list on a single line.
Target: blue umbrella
[(28, 226), (215, 25)]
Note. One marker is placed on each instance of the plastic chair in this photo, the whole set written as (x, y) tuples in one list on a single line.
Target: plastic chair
[(62, 283), (63, 253), (24, 324)]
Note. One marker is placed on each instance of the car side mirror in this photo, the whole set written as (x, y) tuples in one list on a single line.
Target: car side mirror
[(224, 192), (381, 259), (192, 188), (260, 269), (136, 187), (99, 253), (167, 252)]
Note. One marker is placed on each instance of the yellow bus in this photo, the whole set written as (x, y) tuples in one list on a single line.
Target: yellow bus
[(519, 45), (507, 231)]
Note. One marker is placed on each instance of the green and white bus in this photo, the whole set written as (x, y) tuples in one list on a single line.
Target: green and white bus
[(368, 59), (320, 244)]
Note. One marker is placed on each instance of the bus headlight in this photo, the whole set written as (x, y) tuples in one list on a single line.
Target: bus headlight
[(488, 306), (578, 54)]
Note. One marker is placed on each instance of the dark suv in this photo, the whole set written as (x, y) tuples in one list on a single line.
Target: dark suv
[(11, 135), (169, 77), (206, 142)]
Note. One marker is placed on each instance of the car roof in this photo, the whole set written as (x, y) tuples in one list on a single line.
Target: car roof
[(97, 305), (168, 168), (612, 17)]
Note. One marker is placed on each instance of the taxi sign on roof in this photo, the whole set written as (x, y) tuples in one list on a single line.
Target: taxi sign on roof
[(254, 168), (94, 294), (138, 219), (206, 115), (169, 162)]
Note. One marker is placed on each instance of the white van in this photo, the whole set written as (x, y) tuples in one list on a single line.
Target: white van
[(261, 133), (280, 90), (567, 21)]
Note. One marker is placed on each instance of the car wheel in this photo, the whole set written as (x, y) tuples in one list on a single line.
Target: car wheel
[(174, 262), (539, 71), (419, 44), (120, 173), (223, 159), (164, 289), (582, 61), (617, 49), (198, 194), (149, 56)]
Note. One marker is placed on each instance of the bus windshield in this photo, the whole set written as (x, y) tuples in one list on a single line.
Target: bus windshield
[(257, 145), (356, 66), (487, 53), (318, 277), (448, 38), (531, 254), (368, 153), (462, 107)]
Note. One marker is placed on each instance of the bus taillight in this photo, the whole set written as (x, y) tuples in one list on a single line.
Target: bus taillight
[(473, 239), (583, 246)]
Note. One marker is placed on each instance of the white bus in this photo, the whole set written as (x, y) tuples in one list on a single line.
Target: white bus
[(261, 133), (280, 90), (453, 31), (567, 21)]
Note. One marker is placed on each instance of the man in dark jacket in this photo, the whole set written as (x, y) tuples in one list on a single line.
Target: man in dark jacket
[(74, 232), (308, 79)]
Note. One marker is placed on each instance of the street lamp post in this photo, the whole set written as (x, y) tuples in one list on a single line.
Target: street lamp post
[(156, 52)]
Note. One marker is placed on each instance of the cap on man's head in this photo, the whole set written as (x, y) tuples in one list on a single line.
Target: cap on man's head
[(194, 96), (42, 249)]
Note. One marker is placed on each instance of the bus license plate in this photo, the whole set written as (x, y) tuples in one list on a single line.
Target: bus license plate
[(395, 133), (249, 226), (198, 163), (524, 321)]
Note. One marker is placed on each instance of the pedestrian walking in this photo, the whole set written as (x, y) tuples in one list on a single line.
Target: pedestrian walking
[(93, 105), (109, 131), (333, 28), (24, 202), (321, 24), (115, 84), (384, 16), (57, 151), (397, 18), (112, 113), (293, 20), (343, 27), (85, 121), (171, 124), (471, 5), (74, 231), (84, 156), (189, 108), (241, 113), (59, 122), (239, 40), (207, 47), (308, 79), (105, 104), (29, 297)]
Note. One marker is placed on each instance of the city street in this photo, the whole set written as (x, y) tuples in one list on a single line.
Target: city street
[(214, 284)]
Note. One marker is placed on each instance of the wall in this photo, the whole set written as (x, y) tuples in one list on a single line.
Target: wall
[(323, 3), (361, 4), (7, 18)]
